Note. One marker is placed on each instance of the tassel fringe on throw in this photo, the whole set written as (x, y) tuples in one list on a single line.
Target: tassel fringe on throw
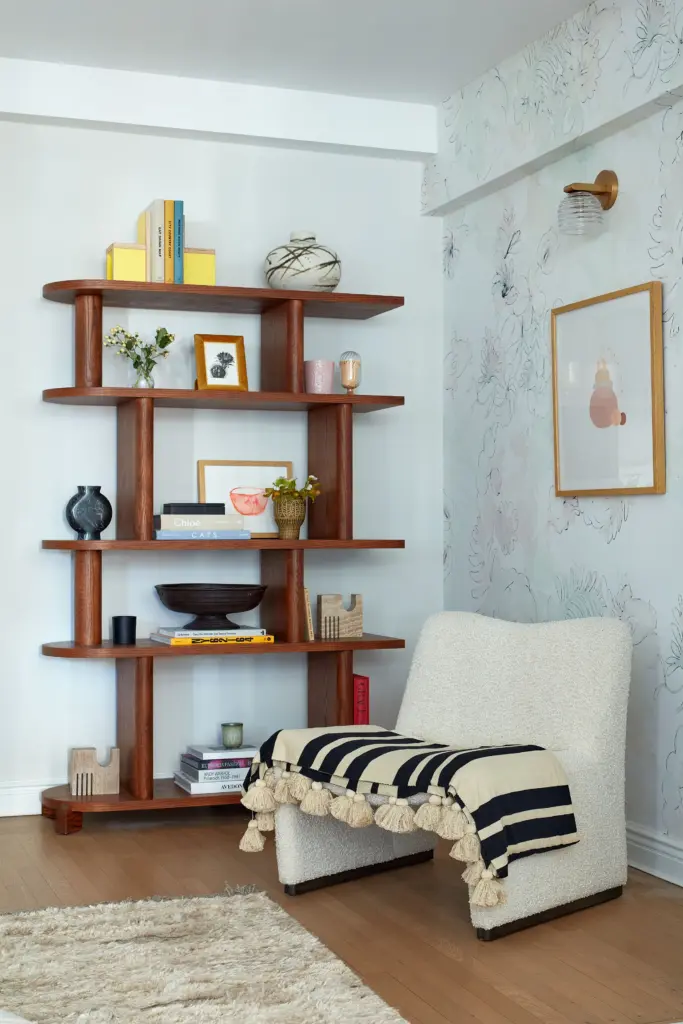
[(441, 815)]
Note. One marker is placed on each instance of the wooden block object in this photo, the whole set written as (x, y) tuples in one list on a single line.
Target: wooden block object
[(126, 261), (335, 622), (87, 777)]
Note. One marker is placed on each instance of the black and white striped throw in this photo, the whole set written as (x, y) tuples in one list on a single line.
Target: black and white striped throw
[(513, 800)]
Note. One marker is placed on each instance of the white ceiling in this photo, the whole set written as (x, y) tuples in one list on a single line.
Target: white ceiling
[(417, 50)]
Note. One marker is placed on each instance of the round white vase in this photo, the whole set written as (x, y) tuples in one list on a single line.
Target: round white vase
[(303, 264)]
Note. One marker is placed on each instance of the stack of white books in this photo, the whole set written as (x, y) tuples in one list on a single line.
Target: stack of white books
[(207, 769)]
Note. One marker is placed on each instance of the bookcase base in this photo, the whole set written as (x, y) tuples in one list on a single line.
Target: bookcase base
[(67, 811)]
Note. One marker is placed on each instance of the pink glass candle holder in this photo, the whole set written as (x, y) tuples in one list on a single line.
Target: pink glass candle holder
[(319, 375)]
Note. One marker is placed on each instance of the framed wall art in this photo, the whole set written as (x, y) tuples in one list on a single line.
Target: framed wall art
[(221, 365), (242, 485), (608, 394)]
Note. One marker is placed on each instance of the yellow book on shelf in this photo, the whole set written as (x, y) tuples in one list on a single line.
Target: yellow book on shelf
[(126, 261), (199, 266), (169, 215), (144, 233), (196, 641)]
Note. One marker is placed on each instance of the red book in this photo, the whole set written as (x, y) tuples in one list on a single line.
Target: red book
[(361, 700)]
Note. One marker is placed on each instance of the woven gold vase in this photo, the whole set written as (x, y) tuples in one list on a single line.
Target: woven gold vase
[(290, 513)]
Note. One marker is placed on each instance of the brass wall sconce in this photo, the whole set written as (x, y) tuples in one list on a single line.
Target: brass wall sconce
[(582, 209)]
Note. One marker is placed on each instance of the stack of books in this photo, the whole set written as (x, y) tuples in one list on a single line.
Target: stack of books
[(198, 521), (206, 769), (161, 232), (196, 637)]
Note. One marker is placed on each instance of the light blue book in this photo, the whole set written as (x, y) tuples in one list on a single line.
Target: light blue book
[(178, 240), (202, 535)]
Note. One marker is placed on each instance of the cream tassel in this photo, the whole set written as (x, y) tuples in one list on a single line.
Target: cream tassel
[(399, 818), (317, 801), (489, 891), (265, 821), (473, 872), (299, 786), (252, 841), (467, 849), (270, 779), (382, 811), (340, 807), (281, 792), (360, 812), (453, 824), (428, 814), (258, 797)]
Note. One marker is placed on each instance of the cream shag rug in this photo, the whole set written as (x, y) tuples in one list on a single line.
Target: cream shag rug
[(237, 958)]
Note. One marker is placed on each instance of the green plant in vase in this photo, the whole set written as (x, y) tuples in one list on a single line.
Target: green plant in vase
[(289, 504), (144, 355)]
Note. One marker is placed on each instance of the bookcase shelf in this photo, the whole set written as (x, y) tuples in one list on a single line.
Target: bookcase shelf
[(329, 426), (151, 649), (265, 544), (219, 299), (260, 401)]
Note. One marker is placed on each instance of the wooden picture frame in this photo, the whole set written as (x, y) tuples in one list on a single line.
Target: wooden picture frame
[(221, 363), (249, 475), (608, 394)]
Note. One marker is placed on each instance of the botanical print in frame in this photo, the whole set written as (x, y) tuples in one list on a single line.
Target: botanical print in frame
[(241, 486), (221, 365), (608, 394)]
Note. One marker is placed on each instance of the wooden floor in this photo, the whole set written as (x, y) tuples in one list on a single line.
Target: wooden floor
[(406, 933)]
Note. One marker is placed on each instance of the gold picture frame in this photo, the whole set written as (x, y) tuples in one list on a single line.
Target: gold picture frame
[(607, 352), (224, 355), (218, 478)]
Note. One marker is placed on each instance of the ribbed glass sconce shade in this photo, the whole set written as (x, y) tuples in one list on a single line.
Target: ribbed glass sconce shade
[(579, 213)]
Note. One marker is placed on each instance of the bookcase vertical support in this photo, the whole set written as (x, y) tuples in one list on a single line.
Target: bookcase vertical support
[(135, 724), (330, 458), (88, 348), (282, 608), (330, 688), (135, 470), (282, 347), (88, 597)]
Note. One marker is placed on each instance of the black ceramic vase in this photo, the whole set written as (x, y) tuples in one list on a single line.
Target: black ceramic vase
[(88, 513)]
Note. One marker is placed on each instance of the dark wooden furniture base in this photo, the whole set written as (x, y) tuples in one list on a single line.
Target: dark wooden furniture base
[(488, 934), (67, 811), (348, 876)]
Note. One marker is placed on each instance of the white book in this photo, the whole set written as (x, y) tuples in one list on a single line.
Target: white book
[(156, 229), (207, 753), (183, 633), (197, 788)]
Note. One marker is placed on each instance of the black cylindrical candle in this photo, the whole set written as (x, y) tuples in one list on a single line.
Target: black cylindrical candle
[(123, 629)]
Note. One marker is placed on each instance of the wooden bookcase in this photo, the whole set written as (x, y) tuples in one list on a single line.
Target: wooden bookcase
[(330, 519)]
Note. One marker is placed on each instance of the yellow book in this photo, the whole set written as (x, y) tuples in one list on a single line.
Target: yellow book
[(195, 641), (199, 266), (169, 213), (144, 233), (126, 261)]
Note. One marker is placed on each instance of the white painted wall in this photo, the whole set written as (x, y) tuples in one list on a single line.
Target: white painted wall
[(68, 193)]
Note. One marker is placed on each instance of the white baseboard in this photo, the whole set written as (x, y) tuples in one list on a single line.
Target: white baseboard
[(655, 853), (20, 798)]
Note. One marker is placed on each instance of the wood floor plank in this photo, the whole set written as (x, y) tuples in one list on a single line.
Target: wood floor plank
[(406, 933)]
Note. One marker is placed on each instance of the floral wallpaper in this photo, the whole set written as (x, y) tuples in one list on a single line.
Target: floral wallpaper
[(614, 60), (511, 548)]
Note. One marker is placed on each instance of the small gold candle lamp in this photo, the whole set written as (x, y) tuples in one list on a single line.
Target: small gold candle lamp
[(349, 366)]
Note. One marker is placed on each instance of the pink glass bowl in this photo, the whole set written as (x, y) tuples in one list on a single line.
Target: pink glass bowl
[(249, 501)]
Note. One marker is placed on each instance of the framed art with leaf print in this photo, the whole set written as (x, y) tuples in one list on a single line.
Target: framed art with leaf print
[(221, 365), (608, 394)]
